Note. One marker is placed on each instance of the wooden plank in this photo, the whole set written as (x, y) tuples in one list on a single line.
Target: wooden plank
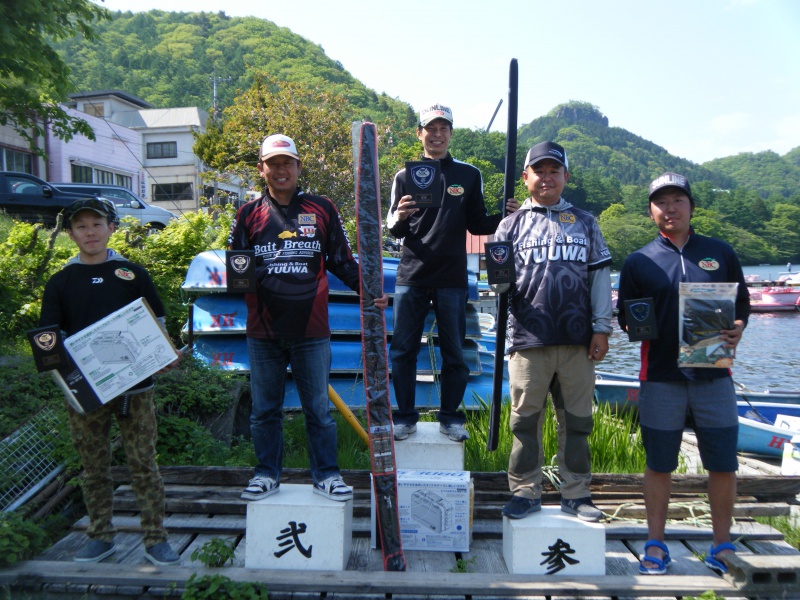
[(620, 560), (420, 561), (761, 486), (423, 583), (485, 556)]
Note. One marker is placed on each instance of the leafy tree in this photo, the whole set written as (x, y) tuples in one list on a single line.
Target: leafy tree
[(784, 227), (624, 232), (33, 77)]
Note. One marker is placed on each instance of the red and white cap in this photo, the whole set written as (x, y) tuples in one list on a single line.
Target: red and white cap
[(276, 144)]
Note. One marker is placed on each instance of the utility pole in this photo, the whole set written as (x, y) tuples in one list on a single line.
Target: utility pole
[(214, 81)]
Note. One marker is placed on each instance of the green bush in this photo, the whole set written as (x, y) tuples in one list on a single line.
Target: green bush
[(19, 539), (182, 441), (219, 587), (195, 390), (215, 553)]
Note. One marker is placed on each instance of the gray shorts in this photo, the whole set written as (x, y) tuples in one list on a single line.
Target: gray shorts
[(665, 409)]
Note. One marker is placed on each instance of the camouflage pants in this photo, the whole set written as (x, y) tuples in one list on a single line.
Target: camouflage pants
[(92, 439)]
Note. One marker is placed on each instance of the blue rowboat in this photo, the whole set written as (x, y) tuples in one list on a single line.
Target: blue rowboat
[(206, 273), (768, 439), (224, 313), (230, 353)]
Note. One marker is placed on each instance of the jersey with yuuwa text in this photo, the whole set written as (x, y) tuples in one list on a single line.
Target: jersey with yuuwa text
[(293, 250), (555, 249)]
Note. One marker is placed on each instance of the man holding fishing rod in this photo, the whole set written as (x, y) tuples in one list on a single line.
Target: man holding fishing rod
[(671, 395), (433, 270), (559, 323)]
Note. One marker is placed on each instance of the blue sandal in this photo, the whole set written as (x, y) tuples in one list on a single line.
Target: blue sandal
[(712, 562), (661, 563)]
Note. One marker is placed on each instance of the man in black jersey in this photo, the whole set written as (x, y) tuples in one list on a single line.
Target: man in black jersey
[(296, 238), (92, 285), (433, 270)]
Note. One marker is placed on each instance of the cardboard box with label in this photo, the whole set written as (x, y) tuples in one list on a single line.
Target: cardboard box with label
[(434, 509)]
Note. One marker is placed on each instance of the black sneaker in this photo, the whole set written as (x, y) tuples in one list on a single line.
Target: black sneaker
[(95, 551), (583, 508), (260, 487), (519, 507), (162, 554)]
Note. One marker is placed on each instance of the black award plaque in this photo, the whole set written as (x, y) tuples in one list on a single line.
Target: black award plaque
[(240, 271), (424, 183), (499, 262), (640, 316)]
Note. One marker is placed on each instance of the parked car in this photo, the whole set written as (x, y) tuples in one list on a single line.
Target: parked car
[(27, 198), (128, 203)]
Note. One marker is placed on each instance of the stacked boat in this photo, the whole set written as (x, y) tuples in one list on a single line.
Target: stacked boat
[(217, 325), (767, 420)]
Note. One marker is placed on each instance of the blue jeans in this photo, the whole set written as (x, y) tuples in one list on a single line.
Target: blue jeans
[(411, 306), (311, 365)]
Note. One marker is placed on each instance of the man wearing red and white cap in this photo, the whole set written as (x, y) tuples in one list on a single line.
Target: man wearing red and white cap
[(296, 237), (433, 269)]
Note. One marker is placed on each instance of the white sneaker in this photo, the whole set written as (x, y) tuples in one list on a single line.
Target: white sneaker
[(402, 431), (260, 487), (333, 488), (454, 431)]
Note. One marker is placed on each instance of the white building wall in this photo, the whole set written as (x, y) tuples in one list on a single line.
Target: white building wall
[(116, 148)]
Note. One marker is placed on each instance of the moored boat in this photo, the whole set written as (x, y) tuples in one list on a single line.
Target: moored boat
[(776, 298), (764, 427)]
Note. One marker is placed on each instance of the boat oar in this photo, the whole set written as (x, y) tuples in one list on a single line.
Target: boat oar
[(347, 414), (761, 417)]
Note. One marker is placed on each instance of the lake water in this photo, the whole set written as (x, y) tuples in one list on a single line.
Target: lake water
[(766, 358)]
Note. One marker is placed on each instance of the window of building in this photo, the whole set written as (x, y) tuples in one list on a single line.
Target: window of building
[(81, 174), (124, 180), (13, 160), (96, 109), (162, 150), (165, 192), (104, 177)]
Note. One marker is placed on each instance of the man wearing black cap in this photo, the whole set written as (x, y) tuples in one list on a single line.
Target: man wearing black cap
[(92, 285), (669, 392), (559, 325), (433, 269)]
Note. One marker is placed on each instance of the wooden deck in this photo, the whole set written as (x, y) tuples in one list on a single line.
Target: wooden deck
[(203, 503)]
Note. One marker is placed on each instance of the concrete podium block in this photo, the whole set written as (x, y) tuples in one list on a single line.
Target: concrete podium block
[(298, 529), (551, 542), (428, 449)]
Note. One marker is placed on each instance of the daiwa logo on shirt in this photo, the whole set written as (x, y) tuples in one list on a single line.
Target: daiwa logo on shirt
[(709, 264)]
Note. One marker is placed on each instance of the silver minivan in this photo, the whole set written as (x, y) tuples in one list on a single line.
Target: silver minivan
[(128, 203)]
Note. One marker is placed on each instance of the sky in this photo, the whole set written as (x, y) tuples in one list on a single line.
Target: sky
[(702, 78)]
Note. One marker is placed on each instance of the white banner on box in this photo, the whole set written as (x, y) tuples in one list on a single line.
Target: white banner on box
[(121, 350)]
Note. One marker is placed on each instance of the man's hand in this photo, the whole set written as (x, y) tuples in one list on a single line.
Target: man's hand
[(405, 208), (598, 347), (512, 206), (732, 337), (383, 301)]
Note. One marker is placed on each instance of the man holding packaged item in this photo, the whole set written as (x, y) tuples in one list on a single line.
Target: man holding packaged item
[(668, 392), (559, 323), (296, 237), (91, 286), (433, 269)]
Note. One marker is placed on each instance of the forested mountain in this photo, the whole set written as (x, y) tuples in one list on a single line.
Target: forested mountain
[(592, 144), (169, 59), (765, 172)]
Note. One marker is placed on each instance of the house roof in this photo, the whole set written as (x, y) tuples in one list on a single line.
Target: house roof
[(190, 116), (135, 100)]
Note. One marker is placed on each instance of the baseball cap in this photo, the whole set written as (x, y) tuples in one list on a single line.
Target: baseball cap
[(437, 111), (670, 180), (544, 150), (276, 144), (101, 206)]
